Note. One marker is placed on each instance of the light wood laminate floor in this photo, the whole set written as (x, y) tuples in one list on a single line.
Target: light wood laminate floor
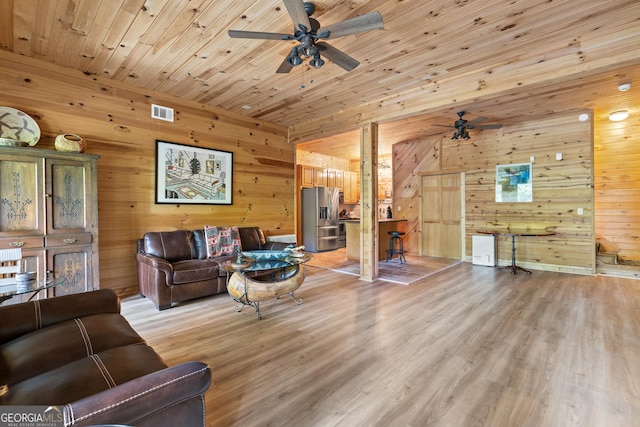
[(470, 346)]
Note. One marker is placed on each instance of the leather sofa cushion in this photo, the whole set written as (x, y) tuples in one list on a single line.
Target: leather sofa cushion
[(200, 243), (86, 376), (195, 270), (252, 238), (62, 344), (170, 245)]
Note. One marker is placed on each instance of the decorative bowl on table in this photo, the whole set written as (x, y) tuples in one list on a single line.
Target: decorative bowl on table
[(25, 281), (25, 277), (296, 252), (265, 255)]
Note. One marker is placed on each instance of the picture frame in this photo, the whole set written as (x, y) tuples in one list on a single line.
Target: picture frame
[(193, 175), (514, 183)]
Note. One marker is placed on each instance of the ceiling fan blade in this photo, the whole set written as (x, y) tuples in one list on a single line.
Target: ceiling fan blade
[(237, 34), (367, 22), (476, 120), (446, 126), (297, 13), (337, 56), (285, 67), (495, 126)]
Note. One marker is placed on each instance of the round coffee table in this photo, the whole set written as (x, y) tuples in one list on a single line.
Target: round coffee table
[(262, 275)]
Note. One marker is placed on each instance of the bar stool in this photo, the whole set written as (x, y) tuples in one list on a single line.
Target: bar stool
[(396, 246)]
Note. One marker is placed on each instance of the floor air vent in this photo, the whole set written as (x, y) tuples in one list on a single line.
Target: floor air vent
[(161, 113)]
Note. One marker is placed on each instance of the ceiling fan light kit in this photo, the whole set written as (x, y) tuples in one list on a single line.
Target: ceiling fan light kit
[(461, 126), (307, 31)]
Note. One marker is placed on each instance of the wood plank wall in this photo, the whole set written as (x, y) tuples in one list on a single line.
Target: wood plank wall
[(559, 188), (115, 120), (617, 187)]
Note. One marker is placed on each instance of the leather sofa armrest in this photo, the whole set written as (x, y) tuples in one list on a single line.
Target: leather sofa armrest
[(156, 263), (275, 246), (146, 397)]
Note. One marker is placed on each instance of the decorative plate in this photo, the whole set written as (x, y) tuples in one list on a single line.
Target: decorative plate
[(18, 126)]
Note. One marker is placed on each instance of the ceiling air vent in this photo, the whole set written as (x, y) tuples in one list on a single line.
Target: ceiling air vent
[(161, 113)]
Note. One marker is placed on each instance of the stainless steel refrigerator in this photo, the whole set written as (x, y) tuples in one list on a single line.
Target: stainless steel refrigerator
[(320, 219)]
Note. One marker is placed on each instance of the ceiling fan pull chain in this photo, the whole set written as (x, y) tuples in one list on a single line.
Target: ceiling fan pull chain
[(302, 86)]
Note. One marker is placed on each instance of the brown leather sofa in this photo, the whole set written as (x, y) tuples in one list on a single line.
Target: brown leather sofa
[(173, 265), (77, 353)]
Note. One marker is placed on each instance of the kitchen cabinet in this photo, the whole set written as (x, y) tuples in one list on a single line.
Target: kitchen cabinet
[(339, 180), (331, 177), (345, 181), (49, 208), (351, 189), (306, 175), (320, 177)]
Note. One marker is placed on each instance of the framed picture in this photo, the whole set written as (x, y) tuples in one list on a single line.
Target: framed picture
[(514, 183), (186, 174)]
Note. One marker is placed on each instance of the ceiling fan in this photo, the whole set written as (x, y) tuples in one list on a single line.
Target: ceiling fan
[(461, 126), (307, 31)]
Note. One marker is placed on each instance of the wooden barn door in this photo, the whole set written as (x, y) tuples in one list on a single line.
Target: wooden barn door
[(441, 213)]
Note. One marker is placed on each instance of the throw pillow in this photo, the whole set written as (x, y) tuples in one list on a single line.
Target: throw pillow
[(229, 240), (222, 241), (212, 235)]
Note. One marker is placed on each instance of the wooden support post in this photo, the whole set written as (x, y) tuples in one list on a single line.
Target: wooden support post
[(369, 202)]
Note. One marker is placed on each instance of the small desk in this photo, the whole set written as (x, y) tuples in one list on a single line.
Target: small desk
[(513, 232)]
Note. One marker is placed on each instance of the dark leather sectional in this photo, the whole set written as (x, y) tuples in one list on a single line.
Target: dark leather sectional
[(77, 353)]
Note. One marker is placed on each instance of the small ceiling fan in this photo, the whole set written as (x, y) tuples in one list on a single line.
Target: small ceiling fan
[(461, 126), (307, 31)]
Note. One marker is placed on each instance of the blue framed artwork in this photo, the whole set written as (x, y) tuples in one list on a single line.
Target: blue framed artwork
[(514, 183)]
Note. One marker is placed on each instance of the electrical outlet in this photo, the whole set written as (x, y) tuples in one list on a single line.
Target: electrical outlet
[(580, 211)]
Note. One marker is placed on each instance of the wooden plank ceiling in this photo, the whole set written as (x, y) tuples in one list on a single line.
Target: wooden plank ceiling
[(181, 47)]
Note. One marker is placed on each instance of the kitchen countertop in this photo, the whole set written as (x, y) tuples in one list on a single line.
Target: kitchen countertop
[(385, 225)]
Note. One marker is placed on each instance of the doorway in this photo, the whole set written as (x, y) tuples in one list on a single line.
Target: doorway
[(442, 216)]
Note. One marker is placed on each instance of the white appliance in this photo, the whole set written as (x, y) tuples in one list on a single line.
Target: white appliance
[(483, 248), (320, 219)]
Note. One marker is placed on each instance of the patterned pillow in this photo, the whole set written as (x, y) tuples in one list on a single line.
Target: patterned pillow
[(221, 240), (213, 241), (229, 240)]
